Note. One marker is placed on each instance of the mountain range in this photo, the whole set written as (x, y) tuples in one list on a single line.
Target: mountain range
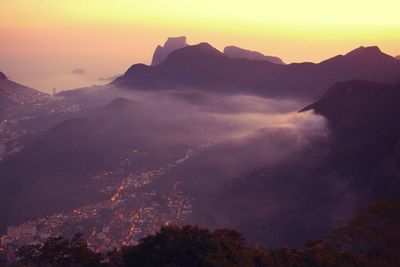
[(203, 67), (175, 43), (237, 52)]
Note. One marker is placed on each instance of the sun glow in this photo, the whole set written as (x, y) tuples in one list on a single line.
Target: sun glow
[(108, 36)]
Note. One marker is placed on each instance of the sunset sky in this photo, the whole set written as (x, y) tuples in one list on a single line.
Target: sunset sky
[(41, 42)]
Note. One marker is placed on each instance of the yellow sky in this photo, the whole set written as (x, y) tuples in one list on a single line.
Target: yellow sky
[(48, 38)]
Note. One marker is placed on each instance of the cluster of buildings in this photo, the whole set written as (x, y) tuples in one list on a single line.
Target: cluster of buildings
[(133, 211), (10, 132), (20, 235), (27, 106), (23, 97)]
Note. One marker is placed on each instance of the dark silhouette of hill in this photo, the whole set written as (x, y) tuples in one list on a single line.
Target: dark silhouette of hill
[(54, 171), (13, 95), (8, 87), (205, 68), (2, 76), (356, 104), (172, 44), (397, 57), (237, 52), (363, 118), (55, 166)]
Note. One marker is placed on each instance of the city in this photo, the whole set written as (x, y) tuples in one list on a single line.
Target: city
[(28, 108), (131, 213)]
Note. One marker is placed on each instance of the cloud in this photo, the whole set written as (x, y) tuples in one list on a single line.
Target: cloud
[(78, 71)]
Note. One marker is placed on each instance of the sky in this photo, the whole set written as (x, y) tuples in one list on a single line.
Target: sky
[(44, 42)]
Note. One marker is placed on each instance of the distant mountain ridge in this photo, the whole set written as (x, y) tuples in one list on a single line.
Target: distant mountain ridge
[(237, 52), (398, 57), (203, 67), (172, 43)]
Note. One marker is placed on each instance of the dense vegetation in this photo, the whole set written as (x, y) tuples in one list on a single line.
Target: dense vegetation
[(371, 239)]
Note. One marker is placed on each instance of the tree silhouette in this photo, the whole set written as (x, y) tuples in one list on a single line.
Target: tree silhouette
[(371, 239), (60, 252)]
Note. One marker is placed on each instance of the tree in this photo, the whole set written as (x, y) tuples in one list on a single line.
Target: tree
[(190, 246), (60, 252), (374, 230)]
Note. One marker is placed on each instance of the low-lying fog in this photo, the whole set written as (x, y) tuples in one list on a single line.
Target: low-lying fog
[(196, 115)]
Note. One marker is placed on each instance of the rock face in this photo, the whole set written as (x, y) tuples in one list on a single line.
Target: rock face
[(172, 43), (237, 52)]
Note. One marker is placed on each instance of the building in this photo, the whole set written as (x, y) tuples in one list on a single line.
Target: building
[(14, 231), (29, 229), (3, 151)]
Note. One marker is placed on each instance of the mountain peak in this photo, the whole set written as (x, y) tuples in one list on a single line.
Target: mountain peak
[(194, 51), (172, 44), (365, 51), (176, 41), (363, 54), (2, 76), (237, 52), (206, 47)]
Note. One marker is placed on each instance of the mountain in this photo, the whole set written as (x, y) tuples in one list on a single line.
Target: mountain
[(397, 57), (56, 164), (7, 87), (14, 95), (361, 104), (55, 171), (195, 66), (172, 43), (2, 76), (363, 118), (237, 52), (204, 67)]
